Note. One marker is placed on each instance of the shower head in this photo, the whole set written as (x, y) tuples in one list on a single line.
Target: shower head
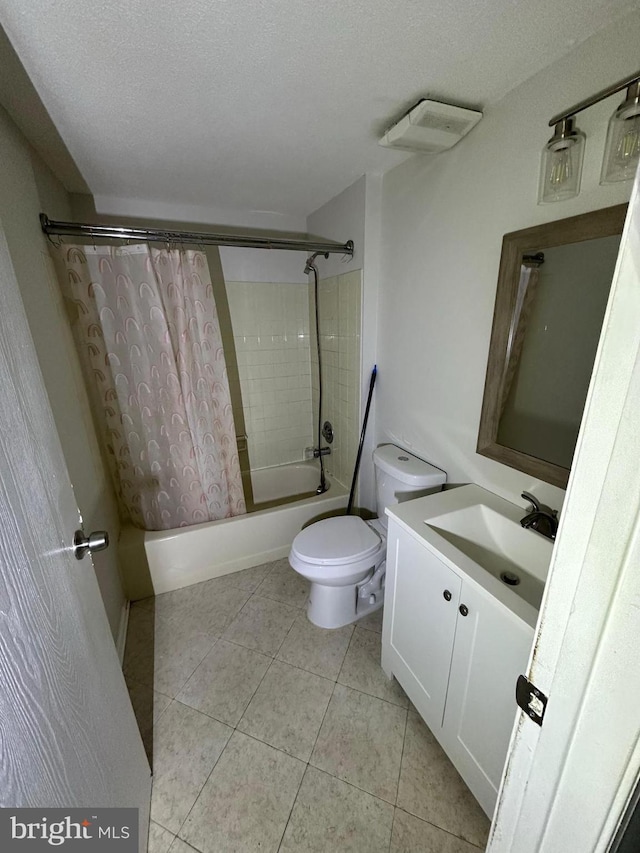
[(310, 265)]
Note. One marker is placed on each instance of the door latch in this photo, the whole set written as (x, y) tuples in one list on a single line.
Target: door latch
[(532, 701)]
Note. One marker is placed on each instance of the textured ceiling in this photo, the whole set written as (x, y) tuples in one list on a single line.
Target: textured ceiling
[(269, 104)]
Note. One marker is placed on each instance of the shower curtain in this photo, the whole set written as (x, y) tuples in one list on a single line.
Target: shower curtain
[(149, 339)]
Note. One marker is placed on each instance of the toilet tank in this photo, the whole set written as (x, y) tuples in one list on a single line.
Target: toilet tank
[(401, 476)]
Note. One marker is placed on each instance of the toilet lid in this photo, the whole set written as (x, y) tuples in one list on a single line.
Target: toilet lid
[(336, 540)]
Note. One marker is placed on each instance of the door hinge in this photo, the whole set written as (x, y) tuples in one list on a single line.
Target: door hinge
[(532, 701)]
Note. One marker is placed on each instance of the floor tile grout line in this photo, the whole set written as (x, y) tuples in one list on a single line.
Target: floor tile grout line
[(300, 607), (193, 805), (293, 805), (313, 748), (345, 655), (251, 700), (404, 740), (208, 652), (302, 669), (344, 684), (393, 823), (438, 827)]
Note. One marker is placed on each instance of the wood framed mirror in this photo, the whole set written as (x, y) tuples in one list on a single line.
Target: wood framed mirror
[(553, 286)]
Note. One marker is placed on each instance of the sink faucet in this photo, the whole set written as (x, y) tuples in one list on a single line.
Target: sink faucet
[(540, 517)]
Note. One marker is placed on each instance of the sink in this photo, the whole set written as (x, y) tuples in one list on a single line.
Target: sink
[(518, 558)]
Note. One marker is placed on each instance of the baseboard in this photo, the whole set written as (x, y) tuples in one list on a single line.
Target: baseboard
[(121, 640)]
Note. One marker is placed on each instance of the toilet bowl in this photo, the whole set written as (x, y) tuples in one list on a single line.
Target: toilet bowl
[(344, 558), (340, 556)]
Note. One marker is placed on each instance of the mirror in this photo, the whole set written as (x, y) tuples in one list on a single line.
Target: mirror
[(553, 287)]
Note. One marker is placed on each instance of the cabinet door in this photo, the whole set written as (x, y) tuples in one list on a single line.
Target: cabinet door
[(491, 649), (422, 623)]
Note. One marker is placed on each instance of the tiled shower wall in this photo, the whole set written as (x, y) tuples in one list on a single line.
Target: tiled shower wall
[(340, 320), (270, 324)]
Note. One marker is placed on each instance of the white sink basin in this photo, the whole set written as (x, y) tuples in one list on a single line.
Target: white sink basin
[(478, 534), (517, 557)]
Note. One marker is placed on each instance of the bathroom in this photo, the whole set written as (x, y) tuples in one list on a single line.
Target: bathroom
[(427, 234)]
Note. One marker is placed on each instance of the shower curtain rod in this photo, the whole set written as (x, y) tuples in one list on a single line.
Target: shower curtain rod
[(162, 235)]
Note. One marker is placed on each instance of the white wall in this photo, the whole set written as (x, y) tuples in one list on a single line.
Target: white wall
[(340, 300), (443, 219), (354, 214), (237, 264), (26, 187)]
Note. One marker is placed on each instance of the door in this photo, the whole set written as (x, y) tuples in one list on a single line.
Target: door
[(490, 651), (69, 736), (426, 593)]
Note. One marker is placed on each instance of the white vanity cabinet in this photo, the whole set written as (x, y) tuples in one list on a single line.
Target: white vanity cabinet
[(457, 652)]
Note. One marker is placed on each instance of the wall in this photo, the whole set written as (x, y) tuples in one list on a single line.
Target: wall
[(443, 219), (238, 264), (340, 301), (271, 334), (354, 215), (26, 187)]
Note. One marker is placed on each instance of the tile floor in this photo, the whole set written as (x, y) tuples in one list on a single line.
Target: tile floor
[(268, 734)]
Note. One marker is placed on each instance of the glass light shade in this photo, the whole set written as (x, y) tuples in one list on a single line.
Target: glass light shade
[(622, 150), (561, 166)]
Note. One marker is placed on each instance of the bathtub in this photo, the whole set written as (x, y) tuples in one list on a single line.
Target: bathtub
[(162, 560), (299, 479)]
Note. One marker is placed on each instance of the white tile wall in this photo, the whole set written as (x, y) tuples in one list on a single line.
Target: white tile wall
[(270, 323), (340, 323)]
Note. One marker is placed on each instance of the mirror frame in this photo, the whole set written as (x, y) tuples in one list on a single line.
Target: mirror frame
[(576, 229)]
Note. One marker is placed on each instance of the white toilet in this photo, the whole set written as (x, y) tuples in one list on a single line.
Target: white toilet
[(344, 557)]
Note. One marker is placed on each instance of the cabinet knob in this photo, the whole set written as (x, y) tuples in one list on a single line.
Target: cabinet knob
[(464, 610), (447, 595)]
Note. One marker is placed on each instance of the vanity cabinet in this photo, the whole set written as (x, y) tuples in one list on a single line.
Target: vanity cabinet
[(457, 652)]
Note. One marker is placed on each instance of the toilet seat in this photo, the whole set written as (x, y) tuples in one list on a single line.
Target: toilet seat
[(343, 539), (337, 550)]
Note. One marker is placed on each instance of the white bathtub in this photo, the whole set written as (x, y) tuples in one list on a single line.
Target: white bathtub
[(272, 484), (162, 560)]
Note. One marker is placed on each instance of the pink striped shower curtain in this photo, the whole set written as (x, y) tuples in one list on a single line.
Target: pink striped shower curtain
[(149, 339)]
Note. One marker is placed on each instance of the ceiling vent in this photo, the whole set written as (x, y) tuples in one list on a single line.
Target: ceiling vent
[(430, 126)]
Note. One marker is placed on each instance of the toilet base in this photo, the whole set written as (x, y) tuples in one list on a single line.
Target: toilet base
[(337, 606)]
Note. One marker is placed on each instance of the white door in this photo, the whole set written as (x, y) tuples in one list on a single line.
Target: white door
[(68, 736)]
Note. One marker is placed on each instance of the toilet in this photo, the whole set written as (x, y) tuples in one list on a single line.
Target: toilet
[(344, 557)]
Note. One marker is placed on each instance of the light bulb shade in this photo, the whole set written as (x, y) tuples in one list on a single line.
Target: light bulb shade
[(561, 166), (622, 150)]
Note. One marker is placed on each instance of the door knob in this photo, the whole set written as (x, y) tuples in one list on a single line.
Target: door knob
[(464, 610), (96, 541), (447, 595)]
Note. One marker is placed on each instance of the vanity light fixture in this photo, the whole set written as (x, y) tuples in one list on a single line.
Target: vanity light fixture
[(622, 150), (562, 156), (561, 167)]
